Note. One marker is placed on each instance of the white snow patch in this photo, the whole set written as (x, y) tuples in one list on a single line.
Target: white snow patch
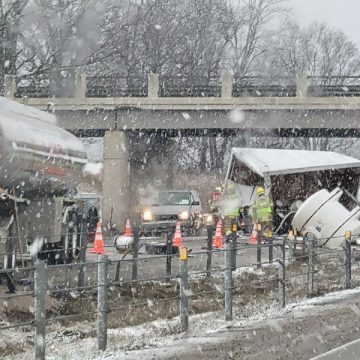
[(237, 116), (36, 246), (94, 169), (186, 115), (40, 341)]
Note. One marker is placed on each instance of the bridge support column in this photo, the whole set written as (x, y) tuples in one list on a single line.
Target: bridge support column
[(226, 85), (153, 85), (80, 85), (115, 203), (302, 85)]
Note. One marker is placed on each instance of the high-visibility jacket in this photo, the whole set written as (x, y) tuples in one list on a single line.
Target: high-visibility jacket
[(262, 209)]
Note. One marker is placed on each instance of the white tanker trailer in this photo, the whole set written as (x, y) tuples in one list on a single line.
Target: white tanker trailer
[(40, 164), (328, 215)]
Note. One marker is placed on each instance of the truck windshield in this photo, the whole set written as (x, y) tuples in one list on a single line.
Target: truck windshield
[(173, 198)]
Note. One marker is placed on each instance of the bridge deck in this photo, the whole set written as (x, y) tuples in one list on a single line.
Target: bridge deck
[(198, 103)]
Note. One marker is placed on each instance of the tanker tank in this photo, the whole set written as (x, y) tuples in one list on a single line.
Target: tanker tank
[(36, 156), (40, 164)]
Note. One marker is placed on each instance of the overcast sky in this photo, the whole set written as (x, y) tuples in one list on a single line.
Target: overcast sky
[(343, 14)]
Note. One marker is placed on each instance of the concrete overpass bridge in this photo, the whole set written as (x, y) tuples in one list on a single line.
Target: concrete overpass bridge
[(290, 107), (286, 106)]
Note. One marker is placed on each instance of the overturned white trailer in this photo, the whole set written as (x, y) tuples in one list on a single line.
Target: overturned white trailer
[(292, 176)]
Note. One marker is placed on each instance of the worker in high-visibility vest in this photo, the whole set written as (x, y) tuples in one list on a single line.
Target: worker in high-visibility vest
[(262, 212), (216, 198)]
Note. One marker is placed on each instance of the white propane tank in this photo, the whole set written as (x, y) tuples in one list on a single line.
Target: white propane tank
[(323, 215), (123, 243)]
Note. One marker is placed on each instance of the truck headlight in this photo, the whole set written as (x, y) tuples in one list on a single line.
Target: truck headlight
[(184, 215), (147, 215)]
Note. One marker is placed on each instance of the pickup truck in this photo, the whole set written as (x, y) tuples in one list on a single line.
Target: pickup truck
[(169, 207)]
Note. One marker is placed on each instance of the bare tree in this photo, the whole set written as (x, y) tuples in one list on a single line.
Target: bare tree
[(58, 38), (248, 20), (11, 13), (167, 37), (317, 50)]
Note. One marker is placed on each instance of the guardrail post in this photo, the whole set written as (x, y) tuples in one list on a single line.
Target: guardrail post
[(209, 250), (102, 301), (271, 249), (40, 290), (81, 276), (226, 85), (168, 255), (10, 86), (310, 238), (184, 288), (135, 251), (291, 243), (258, 246), (153, 85), (233, 246), (281, 275), (302, 85), (228, 282), (117, 271), (348, 260)]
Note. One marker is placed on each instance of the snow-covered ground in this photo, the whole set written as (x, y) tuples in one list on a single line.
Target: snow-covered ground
[(159, 339)]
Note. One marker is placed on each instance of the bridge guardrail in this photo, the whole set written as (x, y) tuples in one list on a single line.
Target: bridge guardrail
[(74, 85)]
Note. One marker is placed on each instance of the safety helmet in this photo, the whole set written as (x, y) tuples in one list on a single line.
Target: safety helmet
[(260, 190), (218, 189)]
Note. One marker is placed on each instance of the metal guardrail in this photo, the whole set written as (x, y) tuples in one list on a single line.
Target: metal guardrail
[(222, 282), (40, 86)]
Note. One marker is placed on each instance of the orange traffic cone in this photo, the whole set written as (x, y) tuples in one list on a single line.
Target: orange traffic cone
[(218, 240), (177, 241), (253, 239), (128, 230), (99, 241)]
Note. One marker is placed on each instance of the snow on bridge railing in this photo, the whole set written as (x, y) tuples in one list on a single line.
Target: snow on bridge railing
[(79, 85)]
